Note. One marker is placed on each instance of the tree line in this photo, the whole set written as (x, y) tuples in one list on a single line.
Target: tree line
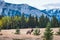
[(7, 22)]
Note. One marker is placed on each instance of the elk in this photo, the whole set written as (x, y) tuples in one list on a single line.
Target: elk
[(29, 31)]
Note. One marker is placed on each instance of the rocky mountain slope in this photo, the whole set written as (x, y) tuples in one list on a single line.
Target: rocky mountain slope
[(9, 9)]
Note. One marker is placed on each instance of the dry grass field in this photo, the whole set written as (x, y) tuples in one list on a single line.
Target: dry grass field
[(9, 35)]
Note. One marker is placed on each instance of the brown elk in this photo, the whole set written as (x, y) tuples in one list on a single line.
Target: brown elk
[(29, 31)]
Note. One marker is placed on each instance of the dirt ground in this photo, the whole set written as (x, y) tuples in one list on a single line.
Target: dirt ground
[(9, 34)]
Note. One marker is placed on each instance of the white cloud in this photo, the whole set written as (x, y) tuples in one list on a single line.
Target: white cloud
[(35, 3)]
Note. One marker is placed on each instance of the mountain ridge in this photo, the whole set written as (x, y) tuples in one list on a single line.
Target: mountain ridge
[(8, 9)]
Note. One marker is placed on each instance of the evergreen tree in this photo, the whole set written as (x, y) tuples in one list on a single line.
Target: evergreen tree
[(58, 23), (36, 20), (54, 22), (31, 21), (12, 24), (41, 21), (48, 34), (1, 16), (23, 21), (17, 21), (46, 21)]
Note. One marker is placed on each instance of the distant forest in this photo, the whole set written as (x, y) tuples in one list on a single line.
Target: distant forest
[(7, 22)]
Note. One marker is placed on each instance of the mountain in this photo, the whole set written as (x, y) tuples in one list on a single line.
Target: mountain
[(9, 9), (52, 12)]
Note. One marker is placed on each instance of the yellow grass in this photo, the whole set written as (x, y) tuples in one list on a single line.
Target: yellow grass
[(9, 34)]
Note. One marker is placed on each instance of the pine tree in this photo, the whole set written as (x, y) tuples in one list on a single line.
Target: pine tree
[(31, 21), (54, 22), (36, 21), (58, 23), (41, 21), (23, 21), (16, 22), (48, 34), (46, 20)]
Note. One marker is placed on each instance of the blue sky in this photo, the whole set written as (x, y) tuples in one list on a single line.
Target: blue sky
[(40, 4)]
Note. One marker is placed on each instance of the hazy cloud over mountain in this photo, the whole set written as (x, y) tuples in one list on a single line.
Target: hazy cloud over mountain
[(52, 5)]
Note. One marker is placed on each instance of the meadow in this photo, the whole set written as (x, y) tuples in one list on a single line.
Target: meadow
[(9, 34)]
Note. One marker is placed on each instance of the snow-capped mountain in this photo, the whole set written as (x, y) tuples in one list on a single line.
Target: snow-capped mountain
[(8, 9)]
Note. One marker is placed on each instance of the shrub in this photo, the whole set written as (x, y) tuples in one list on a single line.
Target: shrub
[(58, 33), (36, 32), (17, 31)]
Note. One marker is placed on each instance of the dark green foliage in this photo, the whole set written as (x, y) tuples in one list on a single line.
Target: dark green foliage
[(31, 22), (0, 29), (48, 34), (43, 21), (36, 20), (28, 22), (1, 16), (46, 20), (17, 31), (23, 21), (36, 31), (54, 22)]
